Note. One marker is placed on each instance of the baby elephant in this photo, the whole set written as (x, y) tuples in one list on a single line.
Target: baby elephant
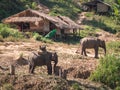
[(43, 58), (92, 42)]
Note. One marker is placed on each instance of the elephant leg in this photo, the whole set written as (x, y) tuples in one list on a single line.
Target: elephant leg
[(85, 52), (96, 52), (31, 68), (54, 68), (49, 68), (82, 51)]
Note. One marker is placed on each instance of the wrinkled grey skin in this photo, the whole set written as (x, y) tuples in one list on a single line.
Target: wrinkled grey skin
[(92, 42), (44, 58)]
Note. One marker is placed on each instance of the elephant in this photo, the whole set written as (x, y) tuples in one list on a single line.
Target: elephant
[(41, 59), (92, 42)]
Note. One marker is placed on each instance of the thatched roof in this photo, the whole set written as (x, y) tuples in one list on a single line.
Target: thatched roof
[(22, 19), (71, 23), (60, 21), (93, 3)]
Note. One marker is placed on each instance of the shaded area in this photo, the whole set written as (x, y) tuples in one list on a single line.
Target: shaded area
[(9, 7), (69, 40)]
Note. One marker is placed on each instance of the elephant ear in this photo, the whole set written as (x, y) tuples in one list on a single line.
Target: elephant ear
[(54, 55), (102, 43)]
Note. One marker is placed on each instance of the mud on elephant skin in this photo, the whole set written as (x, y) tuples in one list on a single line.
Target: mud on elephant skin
[(92, 42), (41, 59)]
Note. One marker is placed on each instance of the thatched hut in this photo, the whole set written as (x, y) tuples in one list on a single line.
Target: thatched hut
[(32, 20), (96, 5)]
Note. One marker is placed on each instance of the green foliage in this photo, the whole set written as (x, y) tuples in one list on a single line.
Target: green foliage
[(10, 7), (89, 14), (115, 5), (76, 86), (89, 31), (7, 87), (6, 31), (62, 7), (38, 37), (113, 46), (58, 7), (103, 22), (108, 71), (117, 88)]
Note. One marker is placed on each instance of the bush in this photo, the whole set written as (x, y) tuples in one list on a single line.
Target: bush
[(16, 34), (38, 37), (76, 86), (6, 31), (7, 87), (108, 71)]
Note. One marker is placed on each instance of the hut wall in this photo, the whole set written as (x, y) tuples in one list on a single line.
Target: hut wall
[(58, 32), (102, 7), (68, 31), (37, 26), (46, 26)]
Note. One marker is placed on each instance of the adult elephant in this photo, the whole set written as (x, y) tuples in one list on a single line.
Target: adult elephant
[(92, 42), (43, 58)]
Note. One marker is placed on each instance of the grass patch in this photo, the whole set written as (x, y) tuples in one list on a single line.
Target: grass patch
[(39, 37), (7, 87), (62, 7), (76, 86), (103, 22), (108, 71), (88, 31), (113, 46)]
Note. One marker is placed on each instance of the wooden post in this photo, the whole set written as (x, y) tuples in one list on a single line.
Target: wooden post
[(12, 69)]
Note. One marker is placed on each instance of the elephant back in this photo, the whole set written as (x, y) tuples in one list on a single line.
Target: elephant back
[(89, 42), (37, 59)]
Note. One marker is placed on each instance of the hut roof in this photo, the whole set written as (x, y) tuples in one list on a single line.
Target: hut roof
[(55, 20), (91, 3), (71, 23), (22, 19), (60, 21)]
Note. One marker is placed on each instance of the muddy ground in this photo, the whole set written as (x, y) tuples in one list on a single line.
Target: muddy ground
[(78, 67)]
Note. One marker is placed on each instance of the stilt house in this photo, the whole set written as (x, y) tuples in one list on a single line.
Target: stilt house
[(35, 21)]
